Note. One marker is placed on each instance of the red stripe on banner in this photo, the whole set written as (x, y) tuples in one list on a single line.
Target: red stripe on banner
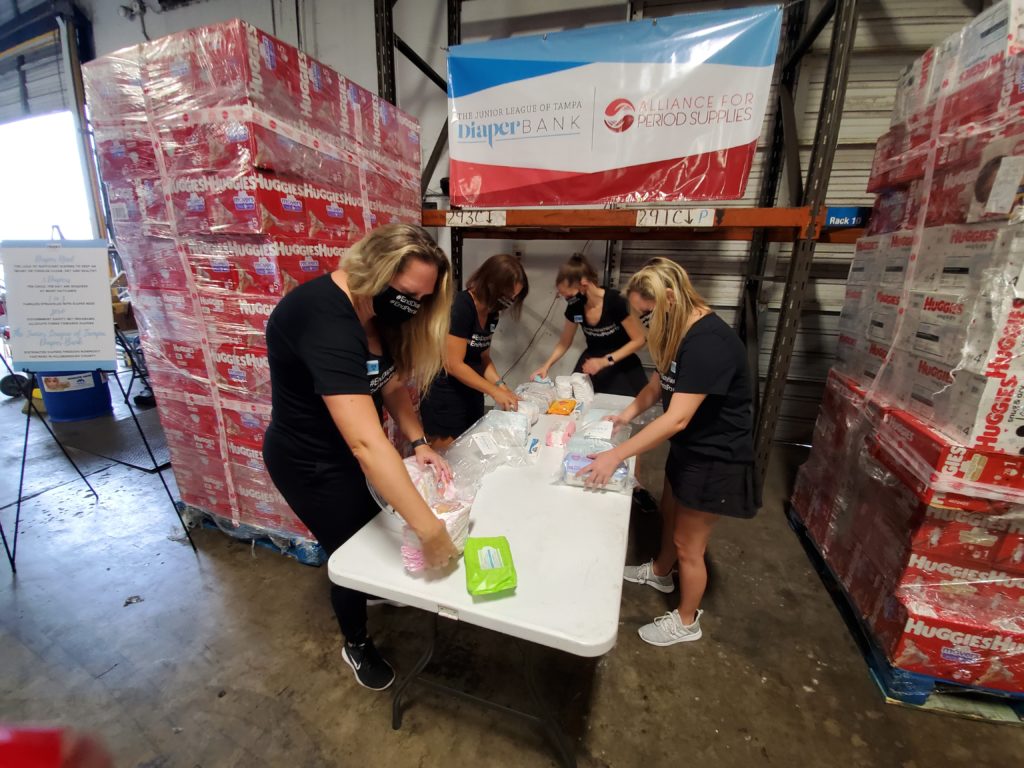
[(718, 175)]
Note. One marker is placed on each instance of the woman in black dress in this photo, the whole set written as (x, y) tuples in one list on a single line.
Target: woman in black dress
[(456, 398), (339, 349), (704, 385), (613, 336)]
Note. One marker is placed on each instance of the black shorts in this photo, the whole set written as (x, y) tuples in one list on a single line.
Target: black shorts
[(449, 409), (707, 485), (626, 377)]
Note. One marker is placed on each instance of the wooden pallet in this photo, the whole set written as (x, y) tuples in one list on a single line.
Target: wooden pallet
[(898, 686), (306, 552)]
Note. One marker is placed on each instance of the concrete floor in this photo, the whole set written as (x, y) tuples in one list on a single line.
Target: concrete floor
[(232, 655)]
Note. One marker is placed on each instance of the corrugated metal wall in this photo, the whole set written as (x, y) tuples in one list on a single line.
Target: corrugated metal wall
[(32, 76), (890, 34)]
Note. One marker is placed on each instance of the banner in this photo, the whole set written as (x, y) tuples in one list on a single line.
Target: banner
[(59, 305), (662, 110)]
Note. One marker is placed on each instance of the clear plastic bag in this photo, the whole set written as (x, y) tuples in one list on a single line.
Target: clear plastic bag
[(621, 480), (500, 438)]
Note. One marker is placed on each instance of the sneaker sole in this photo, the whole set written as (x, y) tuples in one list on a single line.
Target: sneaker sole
[(355, 674), (665, 590), (687, 639)]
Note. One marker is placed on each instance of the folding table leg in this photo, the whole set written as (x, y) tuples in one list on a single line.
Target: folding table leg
[(545, 717), (428, 654)]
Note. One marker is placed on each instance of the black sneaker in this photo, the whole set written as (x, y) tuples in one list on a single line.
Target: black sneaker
[(370, 668)]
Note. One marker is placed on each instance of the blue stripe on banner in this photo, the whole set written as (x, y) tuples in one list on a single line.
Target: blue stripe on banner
[(743, 37), (474, 75)]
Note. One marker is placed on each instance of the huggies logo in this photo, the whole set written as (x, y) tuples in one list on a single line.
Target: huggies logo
[(619, 115)]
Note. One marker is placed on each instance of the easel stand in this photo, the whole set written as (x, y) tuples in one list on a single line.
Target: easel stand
[(11, 548)]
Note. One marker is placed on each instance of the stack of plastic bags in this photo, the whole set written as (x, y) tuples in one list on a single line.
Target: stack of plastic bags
[(535, 397)]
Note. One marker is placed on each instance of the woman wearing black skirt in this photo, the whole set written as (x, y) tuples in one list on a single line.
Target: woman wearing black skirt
[(339, 349), (613, 336), (456, 398), (704, 384)]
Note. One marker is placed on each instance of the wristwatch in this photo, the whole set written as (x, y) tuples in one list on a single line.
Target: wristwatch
[(417, 443), (610, 359)]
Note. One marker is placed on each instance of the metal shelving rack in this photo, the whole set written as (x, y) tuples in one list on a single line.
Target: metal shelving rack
[(801, 224)]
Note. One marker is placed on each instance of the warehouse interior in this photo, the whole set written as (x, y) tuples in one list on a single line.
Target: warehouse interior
[(172, 641)]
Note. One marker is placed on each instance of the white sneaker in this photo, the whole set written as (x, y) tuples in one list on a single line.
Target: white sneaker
[(644, 574), (669, 630)]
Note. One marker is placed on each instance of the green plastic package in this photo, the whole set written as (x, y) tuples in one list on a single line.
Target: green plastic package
[(489, 567)]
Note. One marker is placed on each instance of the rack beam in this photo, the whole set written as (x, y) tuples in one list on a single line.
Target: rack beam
[(797, 220)]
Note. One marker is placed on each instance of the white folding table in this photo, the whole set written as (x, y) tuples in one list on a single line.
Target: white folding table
[(568, 546)]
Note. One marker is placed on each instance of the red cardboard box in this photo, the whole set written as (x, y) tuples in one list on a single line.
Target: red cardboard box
[(237, 318), (923, 635), (226, 64), (237, 265), (206, 489), (948, 467), (253, 203), (243, 373), (196, 412), (152, 263), (245, 422)]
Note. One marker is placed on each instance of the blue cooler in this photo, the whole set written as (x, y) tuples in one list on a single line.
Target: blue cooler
[(75, 396)]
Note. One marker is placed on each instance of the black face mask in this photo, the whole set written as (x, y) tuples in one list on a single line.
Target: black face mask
[(578, 296), (645, 319), (392, 307)]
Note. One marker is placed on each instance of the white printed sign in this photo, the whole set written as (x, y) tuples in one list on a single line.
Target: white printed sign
[(59, 305), (675, 217), (478, 218)]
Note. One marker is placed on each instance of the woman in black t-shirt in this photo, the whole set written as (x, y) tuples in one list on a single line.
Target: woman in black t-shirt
[(456, 398), (339, 349), (704, 385), (613, 335)]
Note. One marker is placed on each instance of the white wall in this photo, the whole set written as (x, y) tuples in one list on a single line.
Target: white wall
[(341, 34)]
